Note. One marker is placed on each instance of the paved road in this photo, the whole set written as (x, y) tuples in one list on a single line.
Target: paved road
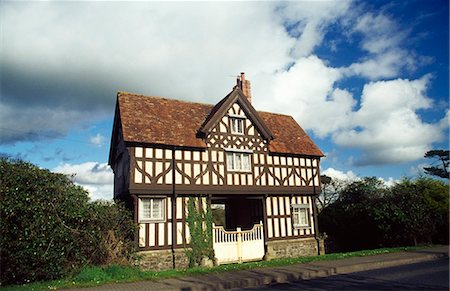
[(431, 275)]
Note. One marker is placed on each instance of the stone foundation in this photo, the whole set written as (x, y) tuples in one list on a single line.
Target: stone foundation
[(291, 248), (162, 260)]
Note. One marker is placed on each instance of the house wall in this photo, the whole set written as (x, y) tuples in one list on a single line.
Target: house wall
[(158, 235), (279, 218)]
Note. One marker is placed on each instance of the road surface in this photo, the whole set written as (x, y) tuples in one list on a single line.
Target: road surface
[(430, 275)]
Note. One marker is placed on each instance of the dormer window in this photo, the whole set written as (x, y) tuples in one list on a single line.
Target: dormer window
[(237, 125)]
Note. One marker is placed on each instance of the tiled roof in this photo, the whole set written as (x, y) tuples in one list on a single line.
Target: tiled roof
[(156, 120)]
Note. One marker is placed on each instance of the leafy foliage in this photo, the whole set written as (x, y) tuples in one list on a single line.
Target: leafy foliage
[(50, 228), (368, 214), (442, 158), (200, 229)]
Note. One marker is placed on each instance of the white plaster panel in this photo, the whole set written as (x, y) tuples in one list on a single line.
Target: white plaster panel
[(263, 180), (289, 161), (161, 234), (151, 234), (251, 130), (261, 158), (169, 177), (187, 155), (268, 206), (142, 235), (149, 168), (296, 163), (214, 178), (229, 179), (287, 205), (303, 173), (295, 232), (169, 233), (283, 226), (179, 208), (168, 154), (289, 226), (308, 162), (220, 156), (137, 174), (275, 205), (271, 180), (158, 153), (158, 170), (179, 233), (269, 227), (169, 208), (277, 227), (269, 160), (196, 170), (178, 155), (178, 178), (188, 233), (314, 163), (281, 207), (196, 156), (138, 152), (250, 180), (222, 128), (214, 156), (149, 153), (205, 156), (146, 180)]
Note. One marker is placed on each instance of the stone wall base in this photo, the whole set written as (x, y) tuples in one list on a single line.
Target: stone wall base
[(292, 248), (159, 260)]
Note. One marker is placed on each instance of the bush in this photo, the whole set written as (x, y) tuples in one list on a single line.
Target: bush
[(369, 215), (49, 228)]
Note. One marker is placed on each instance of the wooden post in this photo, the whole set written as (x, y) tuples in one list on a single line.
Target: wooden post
[(174, 210)]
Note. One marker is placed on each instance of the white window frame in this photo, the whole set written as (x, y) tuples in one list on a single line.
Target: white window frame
[(296, 211), (235, 122), (235, 161), (151, 218)]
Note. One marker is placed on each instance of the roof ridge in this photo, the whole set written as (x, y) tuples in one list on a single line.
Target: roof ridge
[(164, 98)]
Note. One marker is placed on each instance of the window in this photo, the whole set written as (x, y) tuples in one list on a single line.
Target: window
[(300, 215), (151, 209), (238, 161), (237, 125)]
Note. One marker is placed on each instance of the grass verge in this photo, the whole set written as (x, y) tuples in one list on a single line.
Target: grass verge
[(95, 275)]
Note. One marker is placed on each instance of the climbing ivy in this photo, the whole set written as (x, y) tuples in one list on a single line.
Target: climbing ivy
[(200, 228)]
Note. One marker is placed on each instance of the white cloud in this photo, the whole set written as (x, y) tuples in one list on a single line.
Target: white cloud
[(387, 127), (348, 176), (95, 177), (312, 100), (97, 140)]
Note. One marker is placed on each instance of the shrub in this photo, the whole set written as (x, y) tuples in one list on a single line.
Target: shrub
[(49, 228)]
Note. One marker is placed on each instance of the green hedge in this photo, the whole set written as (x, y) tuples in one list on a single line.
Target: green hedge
[(50, 229)]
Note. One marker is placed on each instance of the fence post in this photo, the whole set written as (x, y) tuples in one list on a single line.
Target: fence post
[(239, 244)]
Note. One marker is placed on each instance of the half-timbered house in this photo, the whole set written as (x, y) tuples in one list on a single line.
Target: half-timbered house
[(260, 167)]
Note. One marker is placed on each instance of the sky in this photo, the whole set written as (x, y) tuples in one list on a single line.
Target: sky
[(367, 80)]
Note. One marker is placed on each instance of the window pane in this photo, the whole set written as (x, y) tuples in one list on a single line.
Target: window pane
[(230, 161), (157, 208), (303, 216), (245, 162), (238, 161), (240, 124), (146, 209)]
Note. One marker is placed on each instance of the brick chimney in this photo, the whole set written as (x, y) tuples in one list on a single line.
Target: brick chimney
[(244, 85)]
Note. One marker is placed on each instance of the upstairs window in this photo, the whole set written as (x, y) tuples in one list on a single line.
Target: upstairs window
[(300, 216), (151, 209), (238, 161), (237, 125)]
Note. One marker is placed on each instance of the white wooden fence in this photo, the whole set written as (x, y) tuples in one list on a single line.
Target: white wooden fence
[(238, 246)]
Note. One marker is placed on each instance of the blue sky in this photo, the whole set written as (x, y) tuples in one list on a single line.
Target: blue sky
[(368, 80)]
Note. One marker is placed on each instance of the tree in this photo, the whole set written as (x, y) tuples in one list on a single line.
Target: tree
[(330, 189), (442, 158)]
